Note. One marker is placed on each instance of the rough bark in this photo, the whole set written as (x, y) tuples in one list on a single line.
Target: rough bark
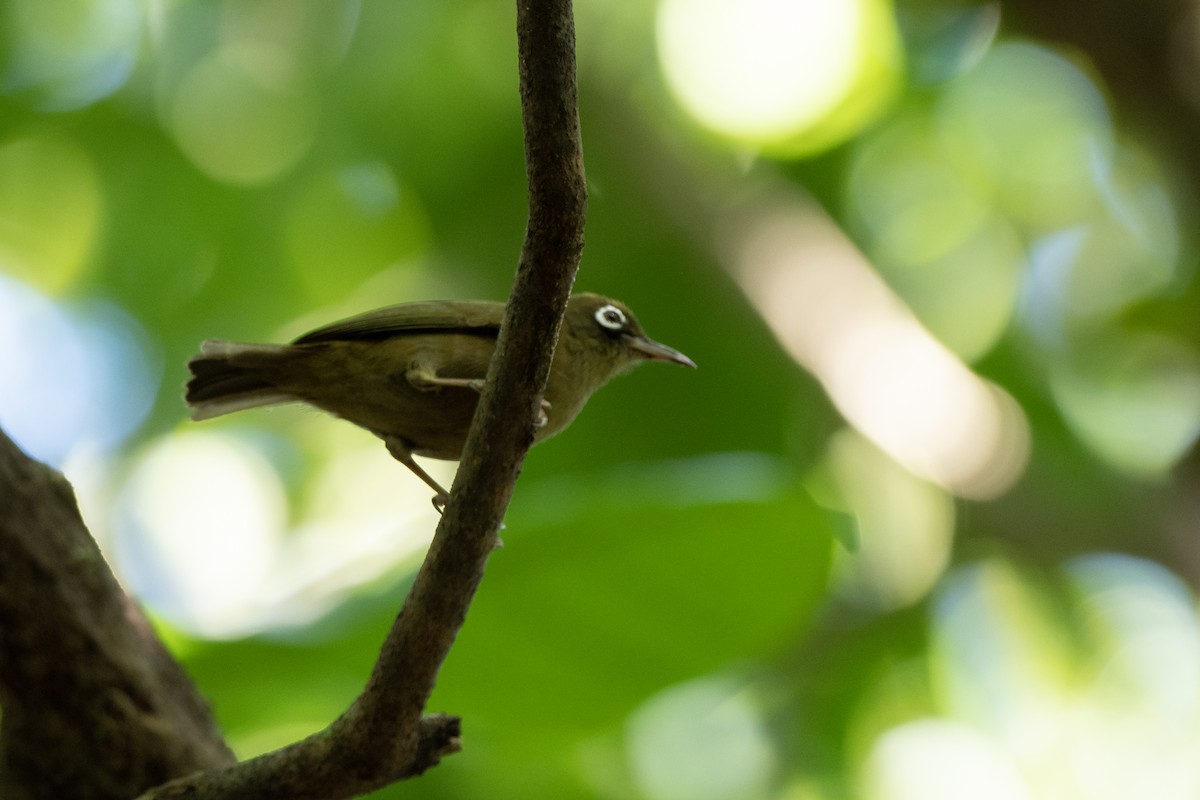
[(84, 681)]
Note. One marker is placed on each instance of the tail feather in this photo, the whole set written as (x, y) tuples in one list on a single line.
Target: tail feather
[(230, 376)]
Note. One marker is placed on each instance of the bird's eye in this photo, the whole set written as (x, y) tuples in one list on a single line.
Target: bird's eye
[(611, 317)]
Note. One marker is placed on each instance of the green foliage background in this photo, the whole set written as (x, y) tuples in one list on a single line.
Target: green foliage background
[(668, 547)]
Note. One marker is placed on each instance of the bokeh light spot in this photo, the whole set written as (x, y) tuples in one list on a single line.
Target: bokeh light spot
[(349, 224), (320, 29), (1143, 621), (1128, 250), (245, 114), (199, 528), (1134, 400), (50, 211), (888, 376), (946, 39), (70, 378), (1139, 730), (935, 238), (906, 525), (773, 72), (1032, 129), (913, 202), (69, 54), (1106, 709), (1000, 659), (941, 760), (703, 740)]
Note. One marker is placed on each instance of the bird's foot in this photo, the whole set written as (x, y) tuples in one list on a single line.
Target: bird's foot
[(402, 452), (542, 419)]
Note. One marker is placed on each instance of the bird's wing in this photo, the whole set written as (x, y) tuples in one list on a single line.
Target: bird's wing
[(477, 317)]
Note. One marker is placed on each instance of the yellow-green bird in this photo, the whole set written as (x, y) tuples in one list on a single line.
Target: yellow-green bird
[(411, 373)]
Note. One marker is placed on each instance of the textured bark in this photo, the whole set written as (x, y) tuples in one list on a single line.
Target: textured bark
[(93, 705), (382, 737)]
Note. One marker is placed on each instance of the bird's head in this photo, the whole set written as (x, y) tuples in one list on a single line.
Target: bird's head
[(608, 337)]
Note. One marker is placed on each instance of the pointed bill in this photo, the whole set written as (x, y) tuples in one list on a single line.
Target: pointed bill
[(658, 352)]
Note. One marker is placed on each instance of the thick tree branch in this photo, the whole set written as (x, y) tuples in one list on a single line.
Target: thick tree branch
[(83, 679), (382, 737)]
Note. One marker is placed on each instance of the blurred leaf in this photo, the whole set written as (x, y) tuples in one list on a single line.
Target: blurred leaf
[(51, 210), (594, 604), (580, 620)]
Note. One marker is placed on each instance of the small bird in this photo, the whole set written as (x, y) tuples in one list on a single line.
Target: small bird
[(411, 373)]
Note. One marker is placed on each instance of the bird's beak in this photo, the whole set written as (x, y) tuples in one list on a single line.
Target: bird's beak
[(648, 348)]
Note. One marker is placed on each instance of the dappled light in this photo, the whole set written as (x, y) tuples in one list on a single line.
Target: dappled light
[(1030, 129), (999, 660), (719, 746), (936, 239), (51, 210), (176, 529), (779, 74), (245, 114), (1135, 400), (922, 525), (1019, 712), (1103, 717), (1143, 626), (1003, 205), (66, 56), (905, 525), (1126, 251), (85, 374), (883, 370), (940, 760), (357, 216), (188, 505)]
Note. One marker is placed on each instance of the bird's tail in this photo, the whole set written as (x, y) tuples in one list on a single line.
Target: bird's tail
[(230, 376)]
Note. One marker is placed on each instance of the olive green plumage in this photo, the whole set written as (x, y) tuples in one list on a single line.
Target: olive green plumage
[(411, 373)]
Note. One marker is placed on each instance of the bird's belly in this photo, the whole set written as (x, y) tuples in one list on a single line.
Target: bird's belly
[(367, 384), (433, 423)]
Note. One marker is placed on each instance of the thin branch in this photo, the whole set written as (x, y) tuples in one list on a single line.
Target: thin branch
[(382, 737)]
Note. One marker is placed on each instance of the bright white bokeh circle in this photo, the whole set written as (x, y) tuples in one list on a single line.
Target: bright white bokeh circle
[(760, 68)]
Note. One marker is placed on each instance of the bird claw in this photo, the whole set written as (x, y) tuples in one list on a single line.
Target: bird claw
[(542, 420), (439, 502)]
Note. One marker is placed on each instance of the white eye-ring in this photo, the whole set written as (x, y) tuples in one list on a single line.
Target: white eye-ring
[(611, 317)]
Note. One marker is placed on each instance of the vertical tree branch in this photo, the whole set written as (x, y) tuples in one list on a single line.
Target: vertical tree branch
[(383, 737), (93, 705), (502, 431)]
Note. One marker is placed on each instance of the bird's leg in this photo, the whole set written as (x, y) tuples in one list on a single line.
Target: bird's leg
[(426, 381), (401, 452)]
